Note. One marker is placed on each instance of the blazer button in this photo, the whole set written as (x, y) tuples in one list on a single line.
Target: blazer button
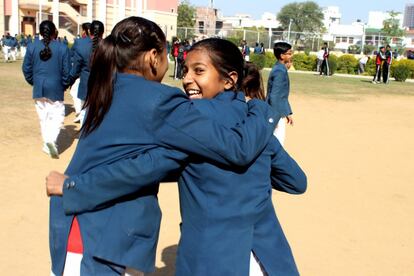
[(271, 120), (70, 185)]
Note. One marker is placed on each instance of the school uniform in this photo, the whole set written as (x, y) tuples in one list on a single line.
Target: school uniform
[(277, 97), (49, 80), (325, 62), (387, 66), (81, 53), (226, 212), (378, 63), (143, 115), (23, 45)]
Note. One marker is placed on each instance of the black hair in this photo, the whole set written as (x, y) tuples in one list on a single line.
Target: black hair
[(85, 27), (123, 50), (96, 29), (281, 48), (48, 31), (226, 58)]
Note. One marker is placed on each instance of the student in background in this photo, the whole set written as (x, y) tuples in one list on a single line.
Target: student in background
[(82, 50), (278, 88), (379, 59), (77, 102), (46, 67), (362, 63), (386, 67), (324, 69)]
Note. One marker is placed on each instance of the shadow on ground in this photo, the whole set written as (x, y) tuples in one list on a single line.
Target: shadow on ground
[(168, 257)]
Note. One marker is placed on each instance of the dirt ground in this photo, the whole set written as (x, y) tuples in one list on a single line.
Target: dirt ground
[(355, 219)]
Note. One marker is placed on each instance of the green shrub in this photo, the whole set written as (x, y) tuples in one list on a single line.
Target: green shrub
[(258, 60), (401, 72), (270, 59), (370, 67), (333, 64), (407, 62), (304, 62), (347, 64)]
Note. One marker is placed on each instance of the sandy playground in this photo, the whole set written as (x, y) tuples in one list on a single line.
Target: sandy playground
[(357, 217)]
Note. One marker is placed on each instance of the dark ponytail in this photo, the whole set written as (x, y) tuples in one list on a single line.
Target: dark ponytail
[(226, 58), (252, 83), (47, 30), (121, 51), (100, 85), (96, 29)]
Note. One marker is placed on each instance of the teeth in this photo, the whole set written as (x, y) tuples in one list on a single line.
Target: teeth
[(193, 92)]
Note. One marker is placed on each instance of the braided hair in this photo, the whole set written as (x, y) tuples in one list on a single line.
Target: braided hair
[(48, 31), (96, 30)]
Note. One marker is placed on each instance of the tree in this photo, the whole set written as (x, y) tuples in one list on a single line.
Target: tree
[(185, 19), (391, 29), (304, 17)]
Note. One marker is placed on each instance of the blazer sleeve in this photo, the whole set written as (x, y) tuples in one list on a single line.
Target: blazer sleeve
[(76, 63), (27, 66), (102, 185), (286, 175), (66, 67), (279, 92), (181, 126)]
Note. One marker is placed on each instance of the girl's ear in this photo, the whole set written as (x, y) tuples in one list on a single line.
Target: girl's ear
[(153, 60), (231, 83)]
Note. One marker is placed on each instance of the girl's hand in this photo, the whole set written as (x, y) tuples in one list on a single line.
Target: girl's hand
[(54, 183)]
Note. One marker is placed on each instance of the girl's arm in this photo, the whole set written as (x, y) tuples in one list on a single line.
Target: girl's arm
[(102, 185), (286, 174), (181, 126)]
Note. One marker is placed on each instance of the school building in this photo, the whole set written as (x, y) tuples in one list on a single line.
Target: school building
[(17, 16)]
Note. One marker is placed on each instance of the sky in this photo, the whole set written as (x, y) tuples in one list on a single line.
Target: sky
[(351, 10)]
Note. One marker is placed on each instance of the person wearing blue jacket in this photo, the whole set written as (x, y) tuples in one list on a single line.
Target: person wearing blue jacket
[(46, 67), (278, 88), (227, 211), (129, 113), (81, 51)]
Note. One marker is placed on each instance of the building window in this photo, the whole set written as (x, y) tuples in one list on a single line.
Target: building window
[(7, 22), (351, 40), (344, 39), (337, 39), (201, 27)]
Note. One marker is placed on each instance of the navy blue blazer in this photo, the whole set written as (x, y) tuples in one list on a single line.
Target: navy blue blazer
[(226, 212), (49, 78), (144, 115), (278, 87), (81, 52)]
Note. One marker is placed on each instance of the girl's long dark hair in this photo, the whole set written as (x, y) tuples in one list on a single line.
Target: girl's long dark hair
[(226, 58), (85, 27), (47, 30), (122, 50)]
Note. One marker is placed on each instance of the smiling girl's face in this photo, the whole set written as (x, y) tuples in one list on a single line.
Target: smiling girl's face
[(201, 78)]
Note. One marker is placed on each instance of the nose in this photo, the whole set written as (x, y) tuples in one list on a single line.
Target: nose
[(187, 79)]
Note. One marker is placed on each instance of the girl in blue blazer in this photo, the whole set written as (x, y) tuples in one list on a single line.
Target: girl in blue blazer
[(81, 51), (46, 67), (130, 113), (227, 212)]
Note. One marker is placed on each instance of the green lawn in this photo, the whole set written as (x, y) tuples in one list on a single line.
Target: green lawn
[(337, 87)]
